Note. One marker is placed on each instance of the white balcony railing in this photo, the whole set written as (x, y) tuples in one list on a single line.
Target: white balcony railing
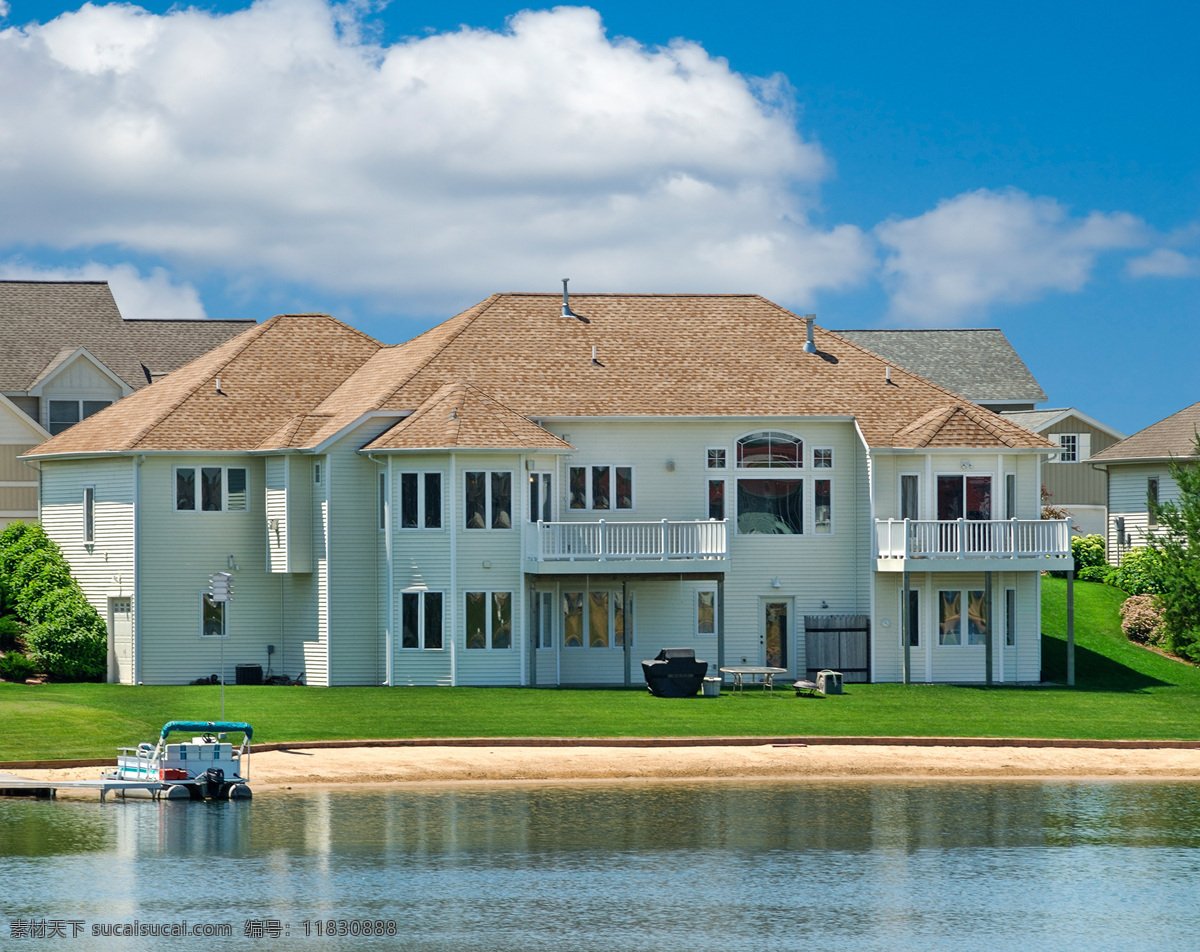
[(605, 541), (972, 539)]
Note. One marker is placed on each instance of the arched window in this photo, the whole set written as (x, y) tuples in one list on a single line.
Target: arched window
[(770, 450)]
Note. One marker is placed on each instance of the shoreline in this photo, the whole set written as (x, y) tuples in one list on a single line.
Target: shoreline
[(295, 767)]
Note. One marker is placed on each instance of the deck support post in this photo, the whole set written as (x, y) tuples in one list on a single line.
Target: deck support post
[(627, 634), (991, 624), (720, 623), (905, 634), (1071, 626)]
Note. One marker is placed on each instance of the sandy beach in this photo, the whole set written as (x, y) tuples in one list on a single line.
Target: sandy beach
[(299, 768)]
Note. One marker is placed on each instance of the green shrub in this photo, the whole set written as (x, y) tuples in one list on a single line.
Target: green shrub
[(1088, 551), (1140, 572), (11, 631), (1142, 619), (14, 666), (66, 637), (1098, 573)]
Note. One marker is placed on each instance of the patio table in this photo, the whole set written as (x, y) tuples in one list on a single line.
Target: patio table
[(754, 672)]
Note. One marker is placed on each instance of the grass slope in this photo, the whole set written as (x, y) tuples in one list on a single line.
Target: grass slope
[(1123, 691)]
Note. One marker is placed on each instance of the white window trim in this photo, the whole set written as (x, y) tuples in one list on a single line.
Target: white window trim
[(489, 595), (586, 619), (1062, 454), (612, 486), (514, 503), (89, 515), (197, 492), (900, 494), (700, 590), (398, 480), (79, 402), (204, 596), (799, 468), (421, 593), (832, 458), (832, 494), (964, 603), (964, 475), (708, 463)]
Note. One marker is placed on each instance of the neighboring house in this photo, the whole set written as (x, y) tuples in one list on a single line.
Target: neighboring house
[(66, 353), (1137, 473), (978, 363), (1070, 479), (535, 495)]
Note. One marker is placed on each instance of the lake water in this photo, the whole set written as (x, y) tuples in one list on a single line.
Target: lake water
[(652, 866)]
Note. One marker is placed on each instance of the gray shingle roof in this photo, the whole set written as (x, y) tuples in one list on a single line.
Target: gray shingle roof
[(978, 363), (44, 321), (1173, 437)]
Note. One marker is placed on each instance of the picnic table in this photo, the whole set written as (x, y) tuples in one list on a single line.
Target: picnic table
[(757, 673)]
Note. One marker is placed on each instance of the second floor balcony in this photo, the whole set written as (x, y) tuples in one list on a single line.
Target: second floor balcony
[(959, 544), (664, 545)]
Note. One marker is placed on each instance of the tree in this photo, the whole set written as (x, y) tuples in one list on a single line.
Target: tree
[(1178, 542)]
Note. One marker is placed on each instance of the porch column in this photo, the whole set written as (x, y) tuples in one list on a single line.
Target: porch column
[(991, 624), (1071, 626), (905, 636)]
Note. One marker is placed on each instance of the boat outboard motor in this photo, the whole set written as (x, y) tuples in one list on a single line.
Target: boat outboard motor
[(214, 780)]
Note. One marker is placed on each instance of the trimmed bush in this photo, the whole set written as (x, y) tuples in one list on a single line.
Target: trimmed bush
[(66, 637), (1098, 573), (1142, 619), (1088, 551), (1140, 572)]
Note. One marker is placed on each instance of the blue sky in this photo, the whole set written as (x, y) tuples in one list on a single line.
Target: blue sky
[(1029, 167)]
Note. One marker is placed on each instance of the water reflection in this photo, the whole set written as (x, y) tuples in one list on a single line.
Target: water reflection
[(750, 865)]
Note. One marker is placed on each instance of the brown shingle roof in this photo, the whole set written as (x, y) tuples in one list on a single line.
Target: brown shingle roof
[(655, 356), (459, 416), (42, 322), (1173, 437)]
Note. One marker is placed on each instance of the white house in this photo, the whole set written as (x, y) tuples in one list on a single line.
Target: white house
[(533, 493), (1137, 469)]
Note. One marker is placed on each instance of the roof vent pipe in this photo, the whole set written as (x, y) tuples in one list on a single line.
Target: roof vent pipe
[(566, 308), (810, 345), (218, 385)]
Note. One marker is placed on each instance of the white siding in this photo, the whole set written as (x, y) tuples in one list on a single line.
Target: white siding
[(1127, 499)]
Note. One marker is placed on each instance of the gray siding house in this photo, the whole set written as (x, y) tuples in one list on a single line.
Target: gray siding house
[(65, 354), (536, 494)]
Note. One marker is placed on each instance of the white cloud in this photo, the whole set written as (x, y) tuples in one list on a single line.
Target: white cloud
[(1163, 263), (985, 247), (137, 297), (275, 143)]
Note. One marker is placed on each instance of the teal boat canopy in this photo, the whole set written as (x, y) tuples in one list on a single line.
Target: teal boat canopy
[(208, 727)]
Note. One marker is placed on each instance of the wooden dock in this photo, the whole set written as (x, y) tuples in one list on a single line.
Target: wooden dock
[(13, 786)]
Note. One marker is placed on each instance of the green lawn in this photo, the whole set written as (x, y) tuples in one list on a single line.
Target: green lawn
[(1122, 692)]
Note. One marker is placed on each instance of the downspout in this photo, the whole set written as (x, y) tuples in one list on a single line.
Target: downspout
[(453, 612), (871, 543), (137, 568), (389, 657)]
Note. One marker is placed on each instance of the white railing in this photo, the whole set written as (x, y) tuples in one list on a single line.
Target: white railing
[(605, 541), (972, 539)]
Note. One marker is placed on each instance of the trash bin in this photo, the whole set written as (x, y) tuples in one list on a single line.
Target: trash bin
[(829, 682), (712, 687)]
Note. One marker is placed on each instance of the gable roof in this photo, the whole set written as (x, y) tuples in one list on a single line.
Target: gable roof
[(298, 380), (978, 363), (42, 323), (1173, 437), (1038, 420)]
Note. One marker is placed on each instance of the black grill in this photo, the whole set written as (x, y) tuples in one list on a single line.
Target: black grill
[(674, 672)]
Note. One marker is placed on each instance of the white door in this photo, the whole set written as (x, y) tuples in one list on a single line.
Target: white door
[(120, 641)]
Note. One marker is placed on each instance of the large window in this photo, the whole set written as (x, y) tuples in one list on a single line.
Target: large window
[(770, 506), (488, 500), (593, 619), (210, 489), (213, 617), (489, 619), (421, 620), (600, 487), (66, 413), (421, 501), (951, 622), (967, 497), (770, 450)]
